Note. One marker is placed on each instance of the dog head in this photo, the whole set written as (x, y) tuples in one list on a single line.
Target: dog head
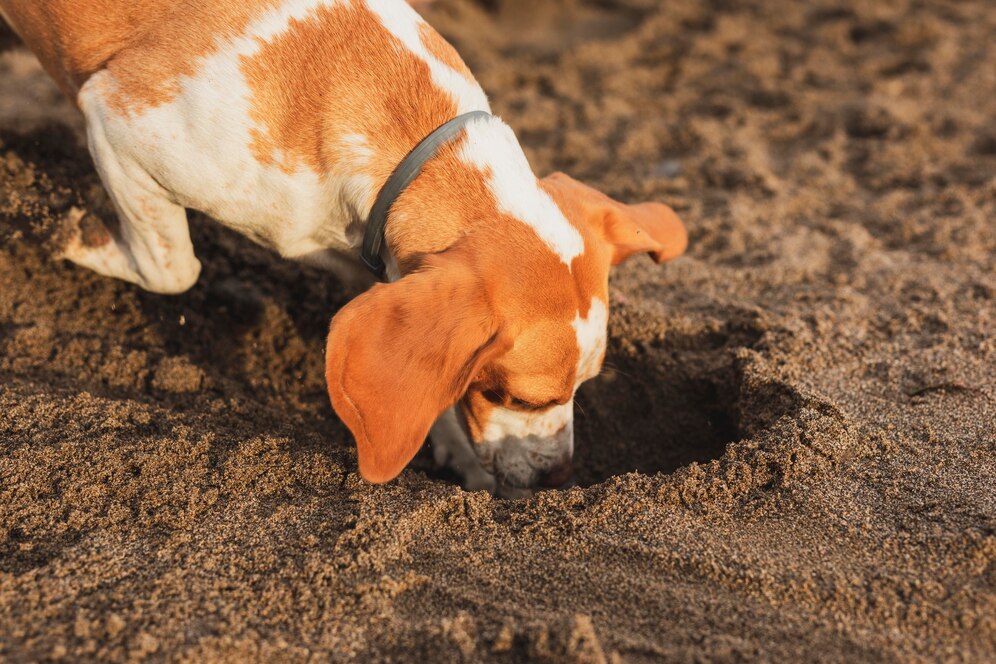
[(499, 324)]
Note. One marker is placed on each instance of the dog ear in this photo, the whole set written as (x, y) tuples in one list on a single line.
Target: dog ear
[(651, 228), (402, 353)]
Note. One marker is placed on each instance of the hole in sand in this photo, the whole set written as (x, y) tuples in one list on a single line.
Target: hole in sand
[(661, 404)]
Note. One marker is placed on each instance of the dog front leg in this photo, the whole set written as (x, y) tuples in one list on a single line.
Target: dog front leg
[(152, 246), (452, 448)]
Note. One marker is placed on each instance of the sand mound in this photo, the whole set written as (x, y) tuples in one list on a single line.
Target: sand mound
[(791, 455)]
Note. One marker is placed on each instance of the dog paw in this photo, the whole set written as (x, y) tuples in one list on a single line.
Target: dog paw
[(440, 454), (479, 480)]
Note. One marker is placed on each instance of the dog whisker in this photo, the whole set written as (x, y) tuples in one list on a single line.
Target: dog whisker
[(611, 368)]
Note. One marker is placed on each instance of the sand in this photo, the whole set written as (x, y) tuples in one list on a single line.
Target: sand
[(791, 455)]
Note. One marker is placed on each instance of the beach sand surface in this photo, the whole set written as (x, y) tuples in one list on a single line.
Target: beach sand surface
[(790, 456)]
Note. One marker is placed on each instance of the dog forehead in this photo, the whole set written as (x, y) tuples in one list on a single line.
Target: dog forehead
[(561, 349), (549, 359)]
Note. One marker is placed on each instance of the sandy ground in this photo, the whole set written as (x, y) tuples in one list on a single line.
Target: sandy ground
[(792, 455)]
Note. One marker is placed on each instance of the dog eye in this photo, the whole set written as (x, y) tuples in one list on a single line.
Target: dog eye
[(527, 405), (497, 397)]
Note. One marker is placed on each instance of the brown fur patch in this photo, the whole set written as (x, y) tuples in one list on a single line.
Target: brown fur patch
[(146, 44), (339, 73)]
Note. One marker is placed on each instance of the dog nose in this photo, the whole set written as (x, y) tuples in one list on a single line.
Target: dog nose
[(558, 476)]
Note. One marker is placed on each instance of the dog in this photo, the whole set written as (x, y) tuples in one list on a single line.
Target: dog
[(287, 120)]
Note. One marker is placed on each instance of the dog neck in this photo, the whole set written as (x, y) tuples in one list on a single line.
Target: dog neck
[(478, 184)]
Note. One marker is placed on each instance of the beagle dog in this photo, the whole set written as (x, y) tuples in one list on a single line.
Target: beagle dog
[(288, 120)]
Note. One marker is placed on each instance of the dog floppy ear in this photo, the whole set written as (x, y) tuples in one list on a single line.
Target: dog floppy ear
[(402, 353), (651, 228)]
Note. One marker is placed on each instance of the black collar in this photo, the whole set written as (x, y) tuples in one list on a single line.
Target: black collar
[(404, 175)]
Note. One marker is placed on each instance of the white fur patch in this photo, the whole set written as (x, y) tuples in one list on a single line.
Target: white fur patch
[(403, 22), (491, 146), (505, 422), (591, 333), (357, 147), (199, 149)]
